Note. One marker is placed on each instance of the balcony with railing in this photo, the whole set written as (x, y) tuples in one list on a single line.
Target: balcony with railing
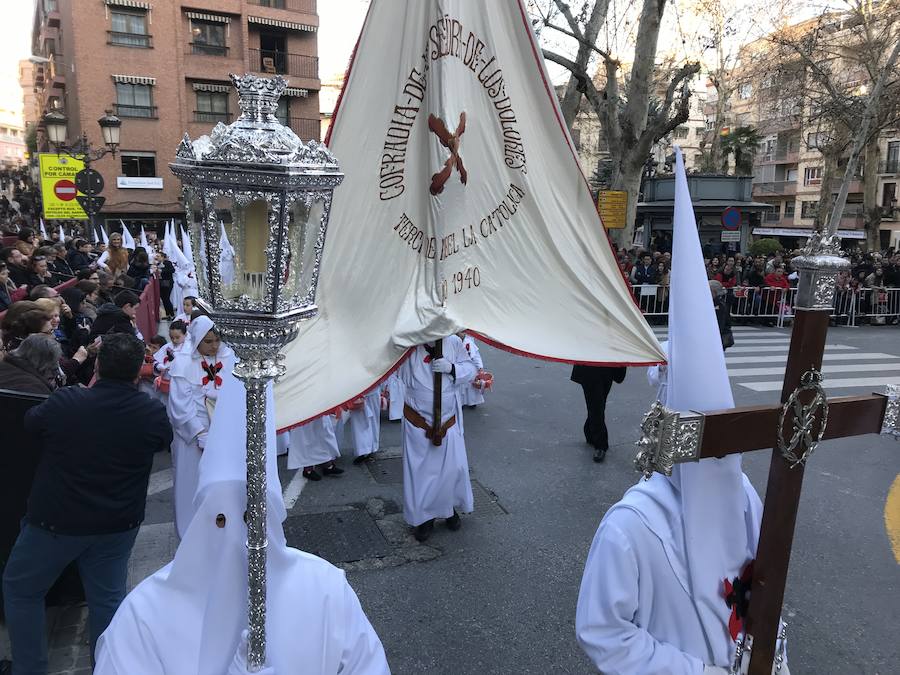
[(207, 117), (306, 128), (139, 111), (120, 39), (274, 62), (789, 155), (57, 71), (306, 6), (890, 166), (778, 187), (856, 185)]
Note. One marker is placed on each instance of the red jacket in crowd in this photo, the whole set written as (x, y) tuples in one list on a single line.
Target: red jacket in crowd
[(774, 281)]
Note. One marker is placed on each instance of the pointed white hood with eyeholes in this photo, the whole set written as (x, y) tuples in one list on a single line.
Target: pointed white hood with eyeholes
[(706, 515), (189, 617)]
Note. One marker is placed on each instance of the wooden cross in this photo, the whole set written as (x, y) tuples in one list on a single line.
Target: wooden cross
[(797, 424)]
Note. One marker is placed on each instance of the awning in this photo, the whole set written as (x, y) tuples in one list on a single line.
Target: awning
[(705, 204), (296, 92), (216, 18), (134, 79), (129, 3), (290, 25), (804, 232), (207, 86)]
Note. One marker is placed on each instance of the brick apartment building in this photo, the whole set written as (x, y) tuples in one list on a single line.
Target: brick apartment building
[(162, 67)]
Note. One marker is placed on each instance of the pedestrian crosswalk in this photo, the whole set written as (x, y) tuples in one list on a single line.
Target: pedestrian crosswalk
[(758, 357)]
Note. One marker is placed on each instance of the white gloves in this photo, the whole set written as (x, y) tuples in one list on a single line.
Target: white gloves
[(441, 366), (239, 665), (201, 440)]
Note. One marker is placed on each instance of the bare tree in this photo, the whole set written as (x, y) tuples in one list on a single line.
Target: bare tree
[(632, 117), (845, 69)]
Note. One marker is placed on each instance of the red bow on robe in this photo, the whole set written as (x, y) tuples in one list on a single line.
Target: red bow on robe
[(737, 597), (212, 373)]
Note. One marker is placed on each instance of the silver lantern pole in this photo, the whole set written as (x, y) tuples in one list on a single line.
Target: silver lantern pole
[(274, 193)]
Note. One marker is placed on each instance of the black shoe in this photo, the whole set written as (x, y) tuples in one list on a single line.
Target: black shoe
[(454, 522), (599, 454), (332, 470), (423, 531), (364, 458), (311, 474)]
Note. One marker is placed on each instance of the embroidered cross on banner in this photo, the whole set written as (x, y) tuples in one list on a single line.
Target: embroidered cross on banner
[(451, 142)]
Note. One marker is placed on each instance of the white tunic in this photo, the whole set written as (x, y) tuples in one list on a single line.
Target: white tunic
[(310, 444), (394, 386), (365, 424), (635, 611), (187, 618), (435, 479), (468, 394), (188, 410)]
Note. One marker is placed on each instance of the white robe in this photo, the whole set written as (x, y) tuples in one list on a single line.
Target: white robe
[(187, 618), (310, 444), (394, 386), (189, 415), (435, 479), (635, 611), (468, 394), (365, 424)]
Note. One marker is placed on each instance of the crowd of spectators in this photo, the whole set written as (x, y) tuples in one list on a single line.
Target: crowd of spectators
[(99, 292), (755, 285)]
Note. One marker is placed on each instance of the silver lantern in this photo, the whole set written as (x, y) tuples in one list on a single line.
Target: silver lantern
[(270, 193)]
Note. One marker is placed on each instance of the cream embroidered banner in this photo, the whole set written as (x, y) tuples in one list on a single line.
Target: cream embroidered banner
[(463, 207)]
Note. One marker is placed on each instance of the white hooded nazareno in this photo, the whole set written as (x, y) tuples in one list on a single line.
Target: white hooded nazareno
[(652, 598), (190, 617)]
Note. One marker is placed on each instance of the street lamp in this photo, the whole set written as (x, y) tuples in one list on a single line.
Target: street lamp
[(274, 194), (88, 181)]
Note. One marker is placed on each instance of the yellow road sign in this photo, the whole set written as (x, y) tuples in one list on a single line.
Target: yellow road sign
[(612, 205), (58, 189)]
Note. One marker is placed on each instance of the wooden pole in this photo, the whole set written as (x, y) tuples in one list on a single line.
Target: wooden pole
[(773, 554), (436, 413)]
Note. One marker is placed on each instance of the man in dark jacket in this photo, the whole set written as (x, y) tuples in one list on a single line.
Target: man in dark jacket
[(87, 500), (116, 316), (596, 381)]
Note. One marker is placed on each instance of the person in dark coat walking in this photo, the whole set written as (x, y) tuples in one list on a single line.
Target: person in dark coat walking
[(596, 381), (88, 497)]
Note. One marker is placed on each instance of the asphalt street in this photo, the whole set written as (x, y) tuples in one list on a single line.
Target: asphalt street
[(499, 595)]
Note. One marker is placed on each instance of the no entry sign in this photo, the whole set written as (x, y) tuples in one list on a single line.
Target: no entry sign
[(65, 190), (58, 189)]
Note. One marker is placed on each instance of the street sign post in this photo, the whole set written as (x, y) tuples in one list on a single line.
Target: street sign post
[(612, 206), (58, 187)]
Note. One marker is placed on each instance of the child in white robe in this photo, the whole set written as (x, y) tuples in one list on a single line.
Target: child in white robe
[(196, 377), (435, 478), (312, 447), (470, 395)]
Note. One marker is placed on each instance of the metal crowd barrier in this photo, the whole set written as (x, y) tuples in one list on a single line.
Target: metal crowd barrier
[(776, 305)]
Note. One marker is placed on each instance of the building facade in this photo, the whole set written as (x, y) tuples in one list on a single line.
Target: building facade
[(162, 67)]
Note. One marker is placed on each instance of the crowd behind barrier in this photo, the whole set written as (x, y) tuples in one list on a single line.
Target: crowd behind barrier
[(762, 288), (874, 306)]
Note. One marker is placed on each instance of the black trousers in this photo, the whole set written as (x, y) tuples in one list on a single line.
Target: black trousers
[(595, 394), (164, 290)]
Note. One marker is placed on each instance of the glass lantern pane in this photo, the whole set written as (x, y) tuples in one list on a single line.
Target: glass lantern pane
[(198, 246), (304, 224), (248, 234)]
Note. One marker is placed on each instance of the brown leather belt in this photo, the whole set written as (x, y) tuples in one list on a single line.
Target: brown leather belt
[(419, 422)]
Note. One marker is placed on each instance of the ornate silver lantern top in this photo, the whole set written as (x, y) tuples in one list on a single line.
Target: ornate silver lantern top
[(257, 200), (256, 137)]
